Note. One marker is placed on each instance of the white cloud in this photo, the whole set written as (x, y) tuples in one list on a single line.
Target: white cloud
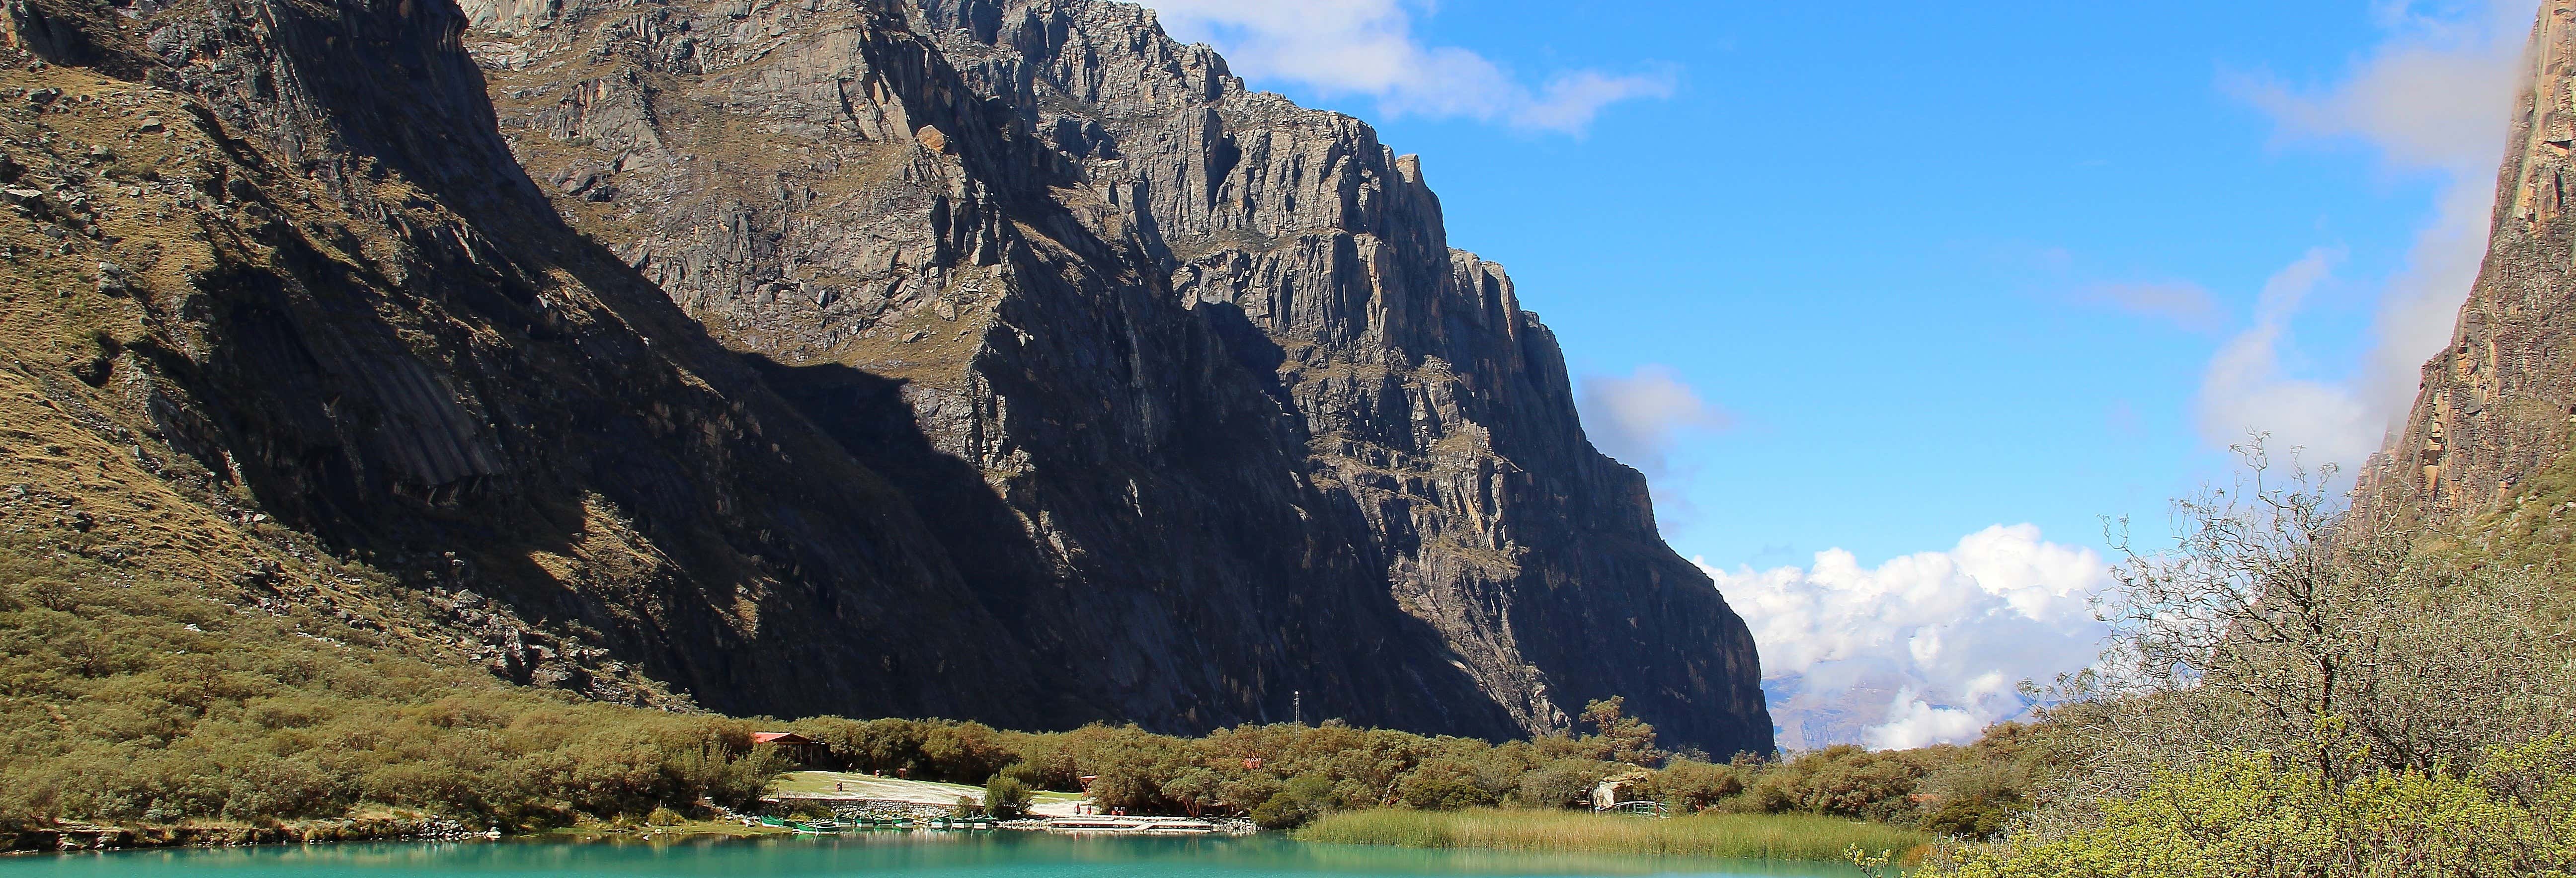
[(1639, 418), (2420, 305), (1913, 722), (2247, 388), (2434, 97), (1367, 47), (2185, 304), (1925, 648)]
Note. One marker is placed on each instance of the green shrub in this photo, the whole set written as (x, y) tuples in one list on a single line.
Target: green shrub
[(1301, 799), (1626, 738), (1195, 790), (1974, 801), (1564, 783), (1694, 786), (1444, 785), (1027, 773), (1842, 780), (2243, 814), (1243, 794), (1006, 796)]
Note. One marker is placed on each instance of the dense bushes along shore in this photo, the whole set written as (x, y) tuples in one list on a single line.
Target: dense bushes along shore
[(1284, 775)]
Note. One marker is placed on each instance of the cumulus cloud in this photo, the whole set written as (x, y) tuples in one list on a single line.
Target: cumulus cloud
[(2248, 390), (1926, 648), (2434, 97), (1913, 722), (1640, 417), (2182, 303), (1367, 47)]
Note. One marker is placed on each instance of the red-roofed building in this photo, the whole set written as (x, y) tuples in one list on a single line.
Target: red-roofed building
[(798, 748)]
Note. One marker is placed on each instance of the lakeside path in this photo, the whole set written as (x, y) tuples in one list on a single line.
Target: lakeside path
[(837, 785)]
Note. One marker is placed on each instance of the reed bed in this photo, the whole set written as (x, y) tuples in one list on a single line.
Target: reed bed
[(1751, 836)]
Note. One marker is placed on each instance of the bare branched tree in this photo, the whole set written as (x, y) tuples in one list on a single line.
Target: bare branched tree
[(2265, 626)]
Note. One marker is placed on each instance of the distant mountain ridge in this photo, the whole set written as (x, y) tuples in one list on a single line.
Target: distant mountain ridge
[(1005, 361)]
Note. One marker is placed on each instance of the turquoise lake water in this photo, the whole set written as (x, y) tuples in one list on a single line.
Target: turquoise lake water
[(1009, 854)]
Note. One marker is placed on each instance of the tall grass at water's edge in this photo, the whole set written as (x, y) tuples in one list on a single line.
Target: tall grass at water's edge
[(1751, 836)]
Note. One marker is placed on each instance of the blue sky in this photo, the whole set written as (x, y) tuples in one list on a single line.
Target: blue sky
[(1874, 278)]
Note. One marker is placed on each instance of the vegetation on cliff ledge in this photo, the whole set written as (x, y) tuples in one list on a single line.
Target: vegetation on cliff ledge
[(136, 700)]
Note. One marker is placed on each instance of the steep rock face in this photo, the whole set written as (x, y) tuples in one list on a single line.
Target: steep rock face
[(1067, 380), (1427, 395), (278, 259), (1203, 406), (2498, 405)]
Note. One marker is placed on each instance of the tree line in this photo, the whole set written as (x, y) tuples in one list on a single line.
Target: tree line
[(1282, 775)]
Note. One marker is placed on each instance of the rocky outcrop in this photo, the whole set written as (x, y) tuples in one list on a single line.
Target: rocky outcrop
[(2498, 404), (1003, 361), (1188, 375)]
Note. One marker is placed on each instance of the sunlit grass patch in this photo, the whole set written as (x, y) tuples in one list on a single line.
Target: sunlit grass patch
[(1757, 836)]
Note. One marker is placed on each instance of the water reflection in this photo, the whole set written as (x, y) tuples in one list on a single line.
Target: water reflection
[(1013, 854)]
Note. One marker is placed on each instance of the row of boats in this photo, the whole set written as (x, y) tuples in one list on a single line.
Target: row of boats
[(827, 826)]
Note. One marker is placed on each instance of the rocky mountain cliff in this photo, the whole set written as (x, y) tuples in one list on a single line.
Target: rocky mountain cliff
[(994, 360), (2491, 426), (278, 259)]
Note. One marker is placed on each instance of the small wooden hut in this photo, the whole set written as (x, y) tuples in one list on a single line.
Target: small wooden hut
[(797, 748)]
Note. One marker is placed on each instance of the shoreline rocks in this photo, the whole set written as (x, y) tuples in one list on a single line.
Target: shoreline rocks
[(69, 836)]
